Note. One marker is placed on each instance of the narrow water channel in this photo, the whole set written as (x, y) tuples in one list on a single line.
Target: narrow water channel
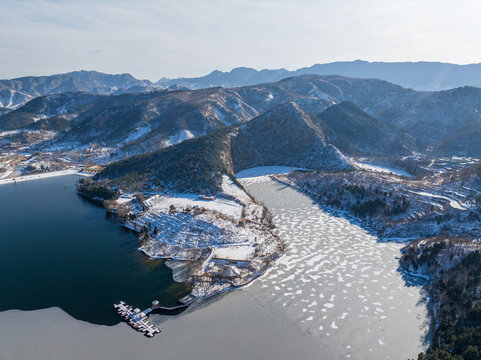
[(338, 284)]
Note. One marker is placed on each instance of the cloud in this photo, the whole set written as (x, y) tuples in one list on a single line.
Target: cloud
[(156, 38)]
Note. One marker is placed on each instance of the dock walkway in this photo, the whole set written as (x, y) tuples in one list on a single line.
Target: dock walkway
[(137, 318)]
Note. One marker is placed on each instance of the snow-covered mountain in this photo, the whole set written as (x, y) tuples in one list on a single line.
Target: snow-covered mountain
[(285, 135), (358, 116), (355, 132), (12, 99), (439, 115), (426, 76), (141, 122), (16, 92)]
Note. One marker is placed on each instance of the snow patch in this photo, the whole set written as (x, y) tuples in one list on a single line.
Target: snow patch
[(138, 133), (182, 201), (234, 252), (452, 202), (379, 168), (179, 137), (262, 173), (40, 176)]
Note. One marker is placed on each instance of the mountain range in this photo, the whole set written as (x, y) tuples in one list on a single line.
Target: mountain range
[(369, 117), (284, 135), (424, 76), (141, 122), (16, 92), (312, 121)]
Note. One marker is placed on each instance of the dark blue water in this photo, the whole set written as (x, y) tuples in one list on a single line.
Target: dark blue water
[(57, 249)]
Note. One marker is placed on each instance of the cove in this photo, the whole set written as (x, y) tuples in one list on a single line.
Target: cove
[(58, 249)]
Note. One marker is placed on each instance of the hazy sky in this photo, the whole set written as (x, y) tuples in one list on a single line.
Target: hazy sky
[(172, 38)]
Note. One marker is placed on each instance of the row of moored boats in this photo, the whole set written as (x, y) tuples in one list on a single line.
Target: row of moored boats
[(137, 319)]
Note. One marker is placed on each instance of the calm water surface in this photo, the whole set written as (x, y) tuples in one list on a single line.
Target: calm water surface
[(57, 249)]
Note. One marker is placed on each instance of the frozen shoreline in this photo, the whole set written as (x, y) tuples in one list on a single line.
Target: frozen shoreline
[(262, 173), (42, 176), (201, 332), (380, 169)]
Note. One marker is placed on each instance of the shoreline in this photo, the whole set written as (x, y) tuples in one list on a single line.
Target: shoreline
[(226, 254), (182, 337), (46, 175)]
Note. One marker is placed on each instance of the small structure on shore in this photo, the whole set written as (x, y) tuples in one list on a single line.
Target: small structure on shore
[(93, 169), (206, 197)]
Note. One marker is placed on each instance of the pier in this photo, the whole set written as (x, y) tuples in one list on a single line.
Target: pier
[(138, 319)]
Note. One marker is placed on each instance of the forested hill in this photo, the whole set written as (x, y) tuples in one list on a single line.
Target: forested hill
[(283, 136), (355, 132), (194, 165), (454, 266)]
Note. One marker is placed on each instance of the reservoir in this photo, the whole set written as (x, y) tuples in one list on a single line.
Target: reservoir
[(59, 250), (335, 294)]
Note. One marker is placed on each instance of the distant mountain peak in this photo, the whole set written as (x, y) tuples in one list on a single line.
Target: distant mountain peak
[(76, 81), (420, 75)]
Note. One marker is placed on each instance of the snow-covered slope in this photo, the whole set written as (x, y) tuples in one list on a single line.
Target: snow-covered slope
[(395, 119), (284, 136), (12, 99), (355, 132), (78, 81), (439, 116)]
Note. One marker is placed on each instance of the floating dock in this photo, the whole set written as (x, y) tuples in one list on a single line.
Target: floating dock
[(137, 318)]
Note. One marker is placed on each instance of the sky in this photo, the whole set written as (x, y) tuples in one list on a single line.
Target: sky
[(172, 38)]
